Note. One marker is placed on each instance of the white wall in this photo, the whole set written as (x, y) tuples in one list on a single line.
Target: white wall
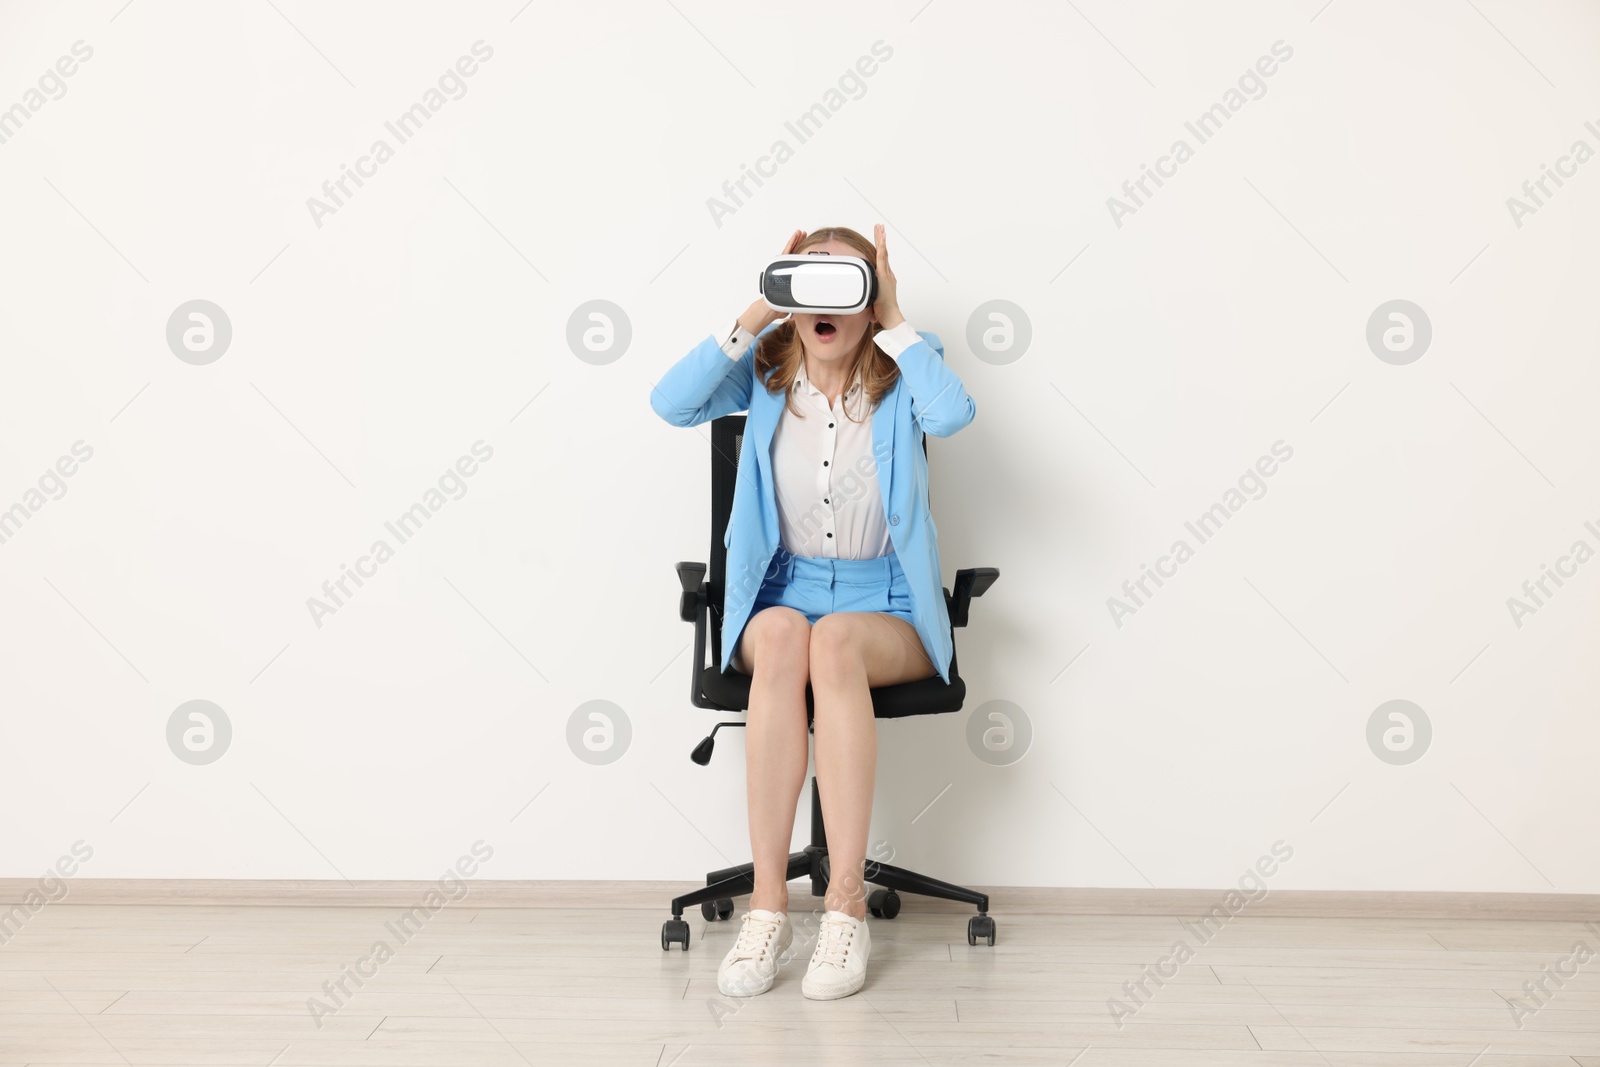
[(1168, 353)]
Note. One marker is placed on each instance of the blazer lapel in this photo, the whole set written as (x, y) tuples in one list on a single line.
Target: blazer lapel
[(883, 424), (762, 424)]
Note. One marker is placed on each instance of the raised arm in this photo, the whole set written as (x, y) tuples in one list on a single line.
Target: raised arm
[(713, 380), (939, 402)]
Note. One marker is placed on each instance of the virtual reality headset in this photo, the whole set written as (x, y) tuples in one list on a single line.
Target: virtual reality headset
[(820, 284)]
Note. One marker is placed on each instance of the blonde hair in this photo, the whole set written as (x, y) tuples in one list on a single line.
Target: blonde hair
[(782, 353)]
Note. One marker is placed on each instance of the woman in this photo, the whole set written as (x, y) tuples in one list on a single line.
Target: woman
[(833, 577)]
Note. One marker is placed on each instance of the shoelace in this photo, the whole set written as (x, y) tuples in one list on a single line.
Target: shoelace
[(754, 937), (833, 943)]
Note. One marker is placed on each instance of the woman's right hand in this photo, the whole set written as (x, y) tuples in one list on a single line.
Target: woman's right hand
[(758, 316)]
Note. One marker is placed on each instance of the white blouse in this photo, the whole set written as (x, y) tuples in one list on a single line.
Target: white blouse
[(825, 475)]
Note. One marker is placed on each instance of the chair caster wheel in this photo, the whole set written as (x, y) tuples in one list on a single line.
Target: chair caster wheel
[(978, 926), (674, 930), (884, 903), (716, 910)]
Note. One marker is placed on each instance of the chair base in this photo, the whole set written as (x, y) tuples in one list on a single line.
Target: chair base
[(812, 862)]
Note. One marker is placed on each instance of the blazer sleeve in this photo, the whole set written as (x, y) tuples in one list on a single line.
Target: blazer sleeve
[(706, 384), (939, 402)]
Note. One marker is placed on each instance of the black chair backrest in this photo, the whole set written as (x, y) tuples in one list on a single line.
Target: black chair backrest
[(727, 442), (727, 438)]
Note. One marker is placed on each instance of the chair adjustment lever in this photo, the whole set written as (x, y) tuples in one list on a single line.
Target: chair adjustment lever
[(702, 751)]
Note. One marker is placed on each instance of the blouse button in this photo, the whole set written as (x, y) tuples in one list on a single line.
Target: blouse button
[(894, 520)]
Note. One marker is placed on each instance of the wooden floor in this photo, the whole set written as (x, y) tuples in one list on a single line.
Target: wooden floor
[(117, 985)]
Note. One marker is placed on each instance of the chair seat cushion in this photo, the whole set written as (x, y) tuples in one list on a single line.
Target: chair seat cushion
[(927, 696)]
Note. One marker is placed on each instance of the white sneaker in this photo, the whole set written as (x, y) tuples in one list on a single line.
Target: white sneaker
[(839, 964), (751, 965)]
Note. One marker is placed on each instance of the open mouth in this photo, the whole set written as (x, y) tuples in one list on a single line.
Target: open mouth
[(825, 328)]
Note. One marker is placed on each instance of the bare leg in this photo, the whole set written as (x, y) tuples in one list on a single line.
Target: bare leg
[(774, 651), (851, 653)]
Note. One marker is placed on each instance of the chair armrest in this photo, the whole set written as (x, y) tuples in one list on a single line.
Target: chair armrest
[(692, 577), (695, 607), (971, 582)]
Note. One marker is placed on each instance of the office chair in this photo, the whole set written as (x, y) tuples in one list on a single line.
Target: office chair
[(709, 687)]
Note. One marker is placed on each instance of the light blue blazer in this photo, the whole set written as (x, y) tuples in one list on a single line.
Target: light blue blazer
[(927, 397)]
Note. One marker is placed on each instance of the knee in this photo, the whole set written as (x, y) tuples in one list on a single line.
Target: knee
[(780, 643), (835, 651)]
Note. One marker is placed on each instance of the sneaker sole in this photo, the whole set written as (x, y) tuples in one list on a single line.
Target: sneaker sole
[(834, 996)]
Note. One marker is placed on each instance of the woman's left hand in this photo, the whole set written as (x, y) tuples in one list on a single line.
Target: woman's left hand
[(887, 307)]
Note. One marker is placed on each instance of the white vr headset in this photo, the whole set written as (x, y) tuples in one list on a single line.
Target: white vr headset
[(819, 283)]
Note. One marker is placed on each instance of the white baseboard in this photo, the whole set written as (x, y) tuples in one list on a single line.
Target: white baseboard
[(656, 895)]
